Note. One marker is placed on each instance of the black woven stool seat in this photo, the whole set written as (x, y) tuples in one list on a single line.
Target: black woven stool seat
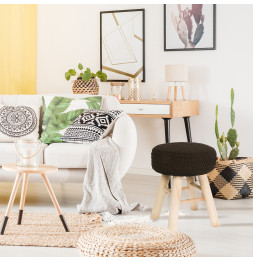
[(183, 159)]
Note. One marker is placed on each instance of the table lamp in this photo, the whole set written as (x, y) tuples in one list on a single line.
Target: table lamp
[(175, 73)]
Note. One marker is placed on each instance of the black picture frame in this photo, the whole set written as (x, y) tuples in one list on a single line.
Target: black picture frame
[(143, 40), (192, 49)]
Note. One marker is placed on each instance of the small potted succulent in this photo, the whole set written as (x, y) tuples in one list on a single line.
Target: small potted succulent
[(86, 80), (232, 177)]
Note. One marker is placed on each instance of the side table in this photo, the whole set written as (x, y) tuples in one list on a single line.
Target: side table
[(165, 109), (43, 170)]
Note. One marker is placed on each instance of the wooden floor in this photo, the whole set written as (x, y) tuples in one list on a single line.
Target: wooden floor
[(233, 238)]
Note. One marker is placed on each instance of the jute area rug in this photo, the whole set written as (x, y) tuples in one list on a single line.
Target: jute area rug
[(46, 229)]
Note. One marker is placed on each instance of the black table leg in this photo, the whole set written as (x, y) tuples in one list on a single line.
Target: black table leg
[(167, 129), (188, 128), (188, 131), (167, 136)]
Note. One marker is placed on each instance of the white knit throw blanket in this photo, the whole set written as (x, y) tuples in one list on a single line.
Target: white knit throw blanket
[(102, 187)]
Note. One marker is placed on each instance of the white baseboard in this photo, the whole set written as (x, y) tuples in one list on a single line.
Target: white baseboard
[(143, 171)]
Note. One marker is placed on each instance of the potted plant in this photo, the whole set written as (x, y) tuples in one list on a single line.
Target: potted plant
[(232, 177), (86, 80)]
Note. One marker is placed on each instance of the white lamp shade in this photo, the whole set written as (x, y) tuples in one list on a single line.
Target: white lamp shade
[(176, 73)]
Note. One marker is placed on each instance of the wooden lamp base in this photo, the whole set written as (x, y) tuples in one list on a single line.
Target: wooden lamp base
[(175, 92)]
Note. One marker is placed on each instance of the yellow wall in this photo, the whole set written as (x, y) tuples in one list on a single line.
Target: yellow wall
[(18, 43)]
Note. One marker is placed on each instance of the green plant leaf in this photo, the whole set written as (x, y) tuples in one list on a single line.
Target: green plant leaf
[(216, 123), (223, 138), (50, 138), (86, 77), (65, 119), (67, 76), (99, 73), (72, 72), (232, 137), (232, 113), (216, 112), (97, 99), (232, 96), (80, 66), (104, 77), (57, 105), (232, 117), (88, 71), (93, 106), (81, 75), (234, 153), (222, 149), (219, 144), (43, 104), (94, 103)]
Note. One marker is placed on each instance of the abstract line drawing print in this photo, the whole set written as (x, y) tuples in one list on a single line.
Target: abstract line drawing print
[(120, 37), (122, 44)]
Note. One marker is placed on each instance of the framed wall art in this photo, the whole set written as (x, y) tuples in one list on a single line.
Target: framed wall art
[(122, 44), (189, 27)]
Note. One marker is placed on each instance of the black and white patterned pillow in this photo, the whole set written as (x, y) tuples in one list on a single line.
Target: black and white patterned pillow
[(19, 122), (90, 126)]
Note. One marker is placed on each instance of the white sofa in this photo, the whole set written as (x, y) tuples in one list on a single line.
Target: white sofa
[(71, 158)]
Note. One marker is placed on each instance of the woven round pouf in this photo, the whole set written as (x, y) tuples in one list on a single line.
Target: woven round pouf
[(135, 240)]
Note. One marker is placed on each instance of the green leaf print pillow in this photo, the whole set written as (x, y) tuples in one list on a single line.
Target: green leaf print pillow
[(60, 112)]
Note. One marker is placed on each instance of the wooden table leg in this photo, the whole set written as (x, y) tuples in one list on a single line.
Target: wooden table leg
[(53, 197), (22, 199), (11, 201)]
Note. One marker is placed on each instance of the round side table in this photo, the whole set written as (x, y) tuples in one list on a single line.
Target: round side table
[(43, 170)]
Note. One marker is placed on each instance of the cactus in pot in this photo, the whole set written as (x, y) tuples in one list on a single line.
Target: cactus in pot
[(231, 137), (232, 176)]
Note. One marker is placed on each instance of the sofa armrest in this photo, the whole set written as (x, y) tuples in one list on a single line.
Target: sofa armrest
[(125, 136)]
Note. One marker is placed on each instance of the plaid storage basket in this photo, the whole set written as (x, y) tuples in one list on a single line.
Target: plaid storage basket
[(232, 179)]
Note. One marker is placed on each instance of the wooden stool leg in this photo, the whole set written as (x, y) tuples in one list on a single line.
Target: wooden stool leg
[(11, 201), (163, 187), (175, 202), (22, 199), (192, 192), (53, 197), (205, 187)]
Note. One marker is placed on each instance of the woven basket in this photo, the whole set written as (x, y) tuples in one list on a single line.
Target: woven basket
[(135, 240), (81, 86), (232, 179)]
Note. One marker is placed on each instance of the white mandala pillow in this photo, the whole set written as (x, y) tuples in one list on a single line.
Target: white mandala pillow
[(19, 122)]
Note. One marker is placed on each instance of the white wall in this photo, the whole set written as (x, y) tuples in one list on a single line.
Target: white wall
[(68, 34)]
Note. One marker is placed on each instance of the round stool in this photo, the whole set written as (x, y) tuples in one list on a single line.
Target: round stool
[(184, 159), (135, 240)]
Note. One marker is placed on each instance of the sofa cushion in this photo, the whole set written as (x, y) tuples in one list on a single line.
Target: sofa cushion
[(90, 126), (8, 153), (67, 155), (60, 112), (19, 122)]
